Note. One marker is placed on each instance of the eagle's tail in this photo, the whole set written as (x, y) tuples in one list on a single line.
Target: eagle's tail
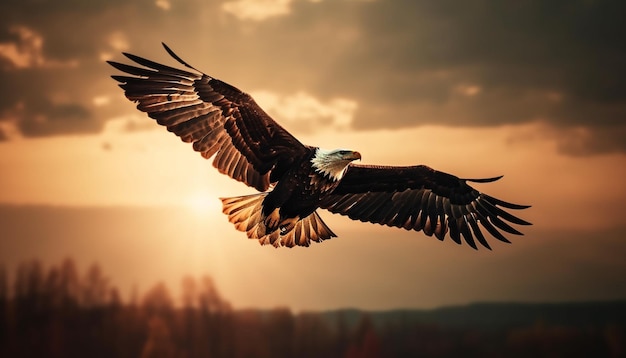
[(246, 213)]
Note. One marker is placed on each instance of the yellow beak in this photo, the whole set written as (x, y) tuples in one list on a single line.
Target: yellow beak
[(353, 156)]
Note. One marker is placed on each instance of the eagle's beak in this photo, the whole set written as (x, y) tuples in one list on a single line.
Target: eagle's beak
[(355, 156)]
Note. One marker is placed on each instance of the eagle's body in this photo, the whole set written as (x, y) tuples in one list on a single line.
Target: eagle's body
[(296, 179), (286, 214)]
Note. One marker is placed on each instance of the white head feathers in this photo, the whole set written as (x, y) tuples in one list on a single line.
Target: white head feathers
[(333, 163)]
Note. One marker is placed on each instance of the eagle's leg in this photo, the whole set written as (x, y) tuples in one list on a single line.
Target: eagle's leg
[(260, 231), (272, 220)]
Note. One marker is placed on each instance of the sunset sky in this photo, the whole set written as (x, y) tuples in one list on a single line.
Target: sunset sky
[(531, 90)]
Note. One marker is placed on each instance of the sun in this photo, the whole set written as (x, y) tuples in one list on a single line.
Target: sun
[(203, 204)]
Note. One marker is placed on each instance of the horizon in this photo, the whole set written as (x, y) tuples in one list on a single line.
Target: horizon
[(138, 247), (81, 277), (55, 308)]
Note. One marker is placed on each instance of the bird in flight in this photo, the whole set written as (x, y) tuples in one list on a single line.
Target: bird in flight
[(295, 179)]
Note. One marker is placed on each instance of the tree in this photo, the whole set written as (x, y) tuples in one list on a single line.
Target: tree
[(280, 334), (158, 300), (95, 288), (367, 344), (69, 284), (159, 343), (313, 337), (4, 308), (209, 298)]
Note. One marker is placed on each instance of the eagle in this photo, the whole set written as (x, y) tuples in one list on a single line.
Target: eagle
[(293, 179)]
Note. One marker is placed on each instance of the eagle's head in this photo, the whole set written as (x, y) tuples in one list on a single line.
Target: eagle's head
[(333, 163)]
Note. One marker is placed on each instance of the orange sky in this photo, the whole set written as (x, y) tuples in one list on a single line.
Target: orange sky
[(74, 140)]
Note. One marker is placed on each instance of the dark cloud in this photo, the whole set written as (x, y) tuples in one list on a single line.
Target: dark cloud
[(54, 119), (412, 63), (509, 49), (406, 63), (559, 62), (582, 141), (52, 68), (53, 101)]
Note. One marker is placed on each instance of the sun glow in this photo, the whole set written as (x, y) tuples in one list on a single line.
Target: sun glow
[(203, 204)]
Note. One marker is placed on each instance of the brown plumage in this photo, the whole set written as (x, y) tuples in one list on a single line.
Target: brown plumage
[(295, 179)]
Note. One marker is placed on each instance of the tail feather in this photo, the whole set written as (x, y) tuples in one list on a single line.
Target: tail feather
[(246, 213), (270, 239), (243, 211), (311, 228)]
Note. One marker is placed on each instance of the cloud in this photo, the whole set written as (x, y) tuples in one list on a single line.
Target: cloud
[(257, 10), (54, 119), (163, 4), (51, 101), (305, 113), (558, 63), (26, 51), (578, 140), (406, 64)]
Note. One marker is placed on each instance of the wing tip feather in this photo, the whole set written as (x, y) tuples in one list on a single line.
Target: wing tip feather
[(177, 58), (484, 180)]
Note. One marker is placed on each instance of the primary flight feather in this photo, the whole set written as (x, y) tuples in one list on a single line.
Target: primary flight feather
[(295, 179)]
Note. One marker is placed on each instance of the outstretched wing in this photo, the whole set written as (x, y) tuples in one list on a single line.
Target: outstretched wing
[(421, 198), (216, 117)]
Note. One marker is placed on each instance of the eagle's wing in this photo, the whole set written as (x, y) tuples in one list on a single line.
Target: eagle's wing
[(421, 198), (216, 117)]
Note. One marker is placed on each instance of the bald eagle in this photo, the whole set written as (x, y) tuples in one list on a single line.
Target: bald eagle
[(295, 179)]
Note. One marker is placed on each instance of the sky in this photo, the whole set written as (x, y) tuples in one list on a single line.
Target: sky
[(530, 90)]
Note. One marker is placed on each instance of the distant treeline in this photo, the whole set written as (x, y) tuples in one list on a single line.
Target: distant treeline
[(59, 312)]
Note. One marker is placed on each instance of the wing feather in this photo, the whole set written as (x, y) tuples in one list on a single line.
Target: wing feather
[(465, 232), (404, 211), (413, 210), (421, 198), (454, 230), (218, 119), (477, 232)]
